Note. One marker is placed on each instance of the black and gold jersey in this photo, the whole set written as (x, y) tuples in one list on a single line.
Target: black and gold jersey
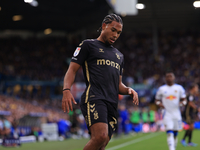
[(102, 66), (189, 110)]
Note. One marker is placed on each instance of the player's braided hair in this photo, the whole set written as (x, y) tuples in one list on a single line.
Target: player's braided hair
[(109, 19)]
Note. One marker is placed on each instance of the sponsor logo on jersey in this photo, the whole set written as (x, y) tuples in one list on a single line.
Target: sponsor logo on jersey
[(171, 97), (108, 63), (77, 51)]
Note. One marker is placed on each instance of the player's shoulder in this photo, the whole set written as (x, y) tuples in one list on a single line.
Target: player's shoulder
[(190, 97), (162, 87), (87, 42), (178, 86), (118, 52)]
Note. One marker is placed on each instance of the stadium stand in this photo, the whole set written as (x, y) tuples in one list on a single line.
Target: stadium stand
[(46, 60)]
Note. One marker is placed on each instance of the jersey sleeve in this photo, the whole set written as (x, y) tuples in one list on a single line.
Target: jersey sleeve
[(159, 94), (122, 67), (182, 92), (81, 53), (191, 98)]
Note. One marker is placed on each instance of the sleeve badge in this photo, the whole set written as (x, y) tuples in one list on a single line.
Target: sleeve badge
[(77, 51)]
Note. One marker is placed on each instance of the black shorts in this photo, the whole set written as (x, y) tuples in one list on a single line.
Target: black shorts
[(100, 111)]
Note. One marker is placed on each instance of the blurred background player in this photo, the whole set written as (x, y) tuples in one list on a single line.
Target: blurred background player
[(190, 114), (169, 97)]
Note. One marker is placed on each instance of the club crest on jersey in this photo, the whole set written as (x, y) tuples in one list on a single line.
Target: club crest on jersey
[(117, 56), (77, 51)]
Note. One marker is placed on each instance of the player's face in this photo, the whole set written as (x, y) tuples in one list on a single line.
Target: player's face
[(170, 78), (111, 32)]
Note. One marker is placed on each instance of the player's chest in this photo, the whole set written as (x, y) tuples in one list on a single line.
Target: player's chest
[(171, 94), (105, 53)]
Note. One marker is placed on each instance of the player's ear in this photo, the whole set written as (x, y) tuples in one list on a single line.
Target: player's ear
[(104, 26)]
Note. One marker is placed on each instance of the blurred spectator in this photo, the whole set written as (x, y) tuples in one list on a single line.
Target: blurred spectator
[(135, 116), (135, 119), (124, 118), (7, 127), (64, 128), (1, 127), (145, 115), (152, 117), (152, 120)]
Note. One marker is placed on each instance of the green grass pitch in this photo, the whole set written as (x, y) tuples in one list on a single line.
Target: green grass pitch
[(149, 141)]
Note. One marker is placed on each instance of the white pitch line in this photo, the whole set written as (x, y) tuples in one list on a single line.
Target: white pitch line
[(123, 137), (134, 141)]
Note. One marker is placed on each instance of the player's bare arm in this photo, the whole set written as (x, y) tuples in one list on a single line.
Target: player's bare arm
[(159, 103), (68, 81), (124, 90)]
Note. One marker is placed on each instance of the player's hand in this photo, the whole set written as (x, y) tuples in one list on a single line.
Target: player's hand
[(161, 105), (134, 95), (67, 101), (183, 103)]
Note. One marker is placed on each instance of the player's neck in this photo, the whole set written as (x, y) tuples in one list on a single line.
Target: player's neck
[(170, 84), (100, 39), (103, 41)]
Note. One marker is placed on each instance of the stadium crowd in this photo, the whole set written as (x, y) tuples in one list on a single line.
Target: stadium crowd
[(10, 123), (130, 118), (12, 110), (178, 51), (47, 59)]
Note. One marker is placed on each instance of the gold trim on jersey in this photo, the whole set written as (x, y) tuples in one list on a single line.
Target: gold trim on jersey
[(88, 111), (81, 43), (187, 114), (88, 78)]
